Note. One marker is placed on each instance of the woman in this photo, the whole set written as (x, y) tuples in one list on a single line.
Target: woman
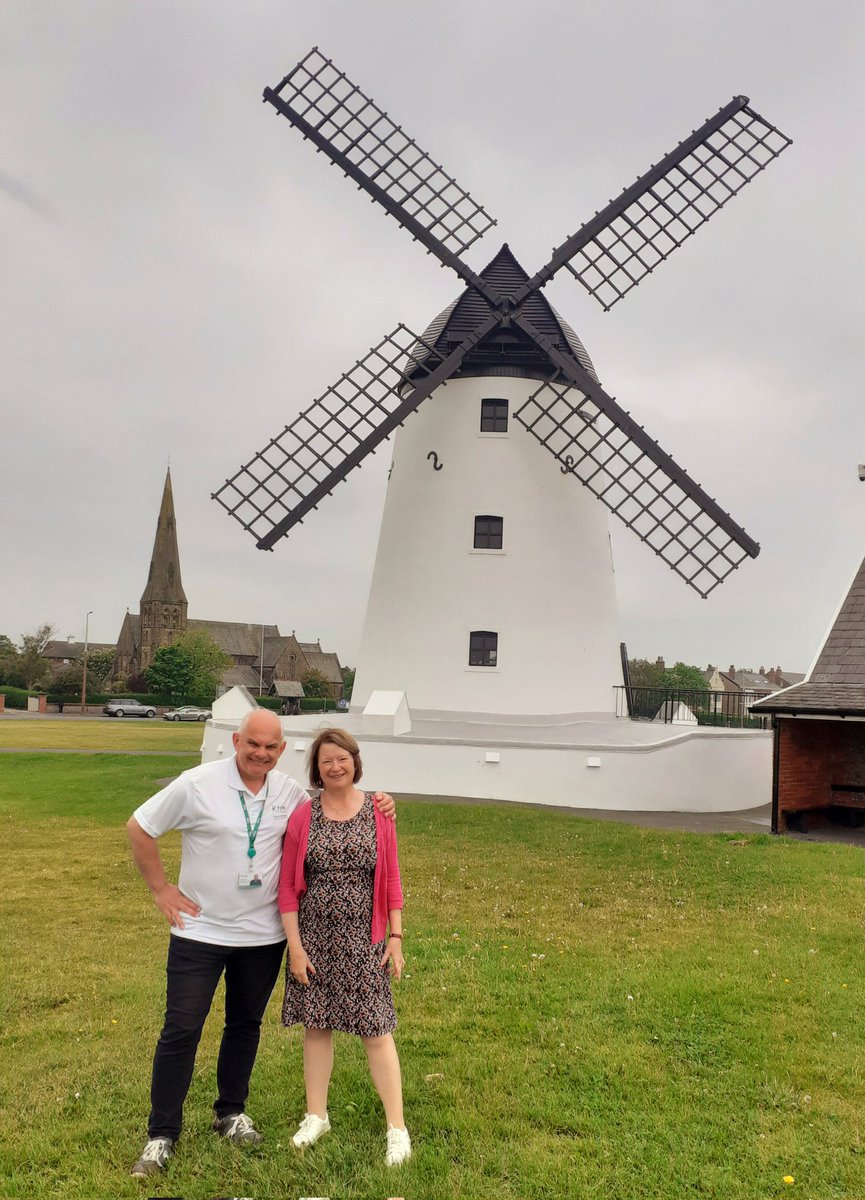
[(339, 890)]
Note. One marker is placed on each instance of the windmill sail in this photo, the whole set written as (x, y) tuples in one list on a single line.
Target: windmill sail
[(357, 135), (304, 463), (636, 232)]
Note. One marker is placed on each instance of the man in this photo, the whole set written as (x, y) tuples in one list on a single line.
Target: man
[(223, 915)]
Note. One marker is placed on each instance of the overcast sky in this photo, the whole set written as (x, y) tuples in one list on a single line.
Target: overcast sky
[(182, 274)]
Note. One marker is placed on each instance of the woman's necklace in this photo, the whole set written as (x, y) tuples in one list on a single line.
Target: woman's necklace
[(341, 807)]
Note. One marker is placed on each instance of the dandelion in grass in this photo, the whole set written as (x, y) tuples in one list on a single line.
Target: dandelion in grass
[(788, 1179)]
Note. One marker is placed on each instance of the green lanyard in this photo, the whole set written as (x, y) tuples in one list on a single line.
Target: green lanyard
[(251, 832)]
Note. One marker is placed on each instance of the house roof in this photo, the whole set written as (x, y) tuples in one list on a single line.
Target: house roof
[(74, 649), (753, 681)]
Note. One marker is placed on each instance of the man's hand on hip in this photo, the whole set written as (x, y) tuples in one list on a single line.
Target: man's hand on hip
[(385, 804), (172, 904)]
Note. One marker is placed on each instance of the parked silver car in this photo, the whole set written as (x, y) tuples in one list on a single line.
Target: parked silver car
[(188, 713), (128, 708)]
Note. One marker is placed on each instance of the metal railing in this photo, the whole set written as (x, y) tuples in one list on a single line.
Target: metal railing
[(686, 706)]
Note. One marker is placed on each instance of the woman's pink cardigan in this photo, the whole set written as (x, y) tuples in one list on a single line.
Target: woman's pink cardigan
[(386, 886)]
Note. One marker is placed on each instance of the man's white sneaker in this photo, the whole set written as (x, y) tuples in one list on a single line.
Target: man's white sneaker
[(238, 1128), (398, 1146), (311, 1129), (154, 1156)]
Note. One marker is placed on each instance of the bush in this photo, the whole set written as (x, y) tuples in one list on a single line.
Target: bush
[(17, 697), (317, 704)]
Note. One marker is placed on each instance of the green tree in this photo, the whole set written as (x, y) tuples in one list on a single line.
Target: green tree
[(99, 664), (170, 673), (681, 675), (315, 684), (347, 682), (646, 674), (8, 660), (206, 664), (67, 681), (32, 668)]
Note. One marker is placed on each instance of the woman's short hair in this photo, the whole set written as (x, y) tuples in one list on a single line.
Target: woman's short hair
[(337, 737)]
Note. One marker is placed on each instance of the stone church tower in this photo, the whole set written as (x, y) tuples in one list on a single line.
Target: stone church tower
[(163, 601)]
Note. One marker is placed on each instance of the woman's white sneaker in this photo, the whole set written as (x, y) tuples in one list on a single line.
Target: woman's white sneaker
[(311, 1129), (398, 1146)]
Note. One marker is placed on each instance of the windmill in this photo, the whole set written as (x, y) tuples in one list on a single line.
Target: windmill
[(493, 585)]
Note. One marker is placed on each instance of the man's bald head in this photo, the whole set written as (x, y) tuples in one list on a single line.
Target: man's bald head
[(258, 743)]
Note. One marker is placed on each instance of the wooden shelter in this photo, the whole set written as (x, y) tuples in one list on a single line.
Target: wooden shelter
[(818, 775)]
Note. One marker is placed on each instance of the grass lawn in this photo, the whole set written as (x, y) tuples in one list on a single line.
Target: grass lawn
[(590, 1010), (134, 734)]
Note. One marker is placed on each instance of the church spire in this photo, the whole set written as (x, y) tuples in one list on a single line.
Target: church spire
[(163, 601), (163, 583)]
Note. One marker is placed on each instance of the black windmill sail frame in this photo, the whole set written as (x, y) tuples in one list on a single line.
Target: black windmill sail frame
[(583, 428), (396, 156), (683, 196)]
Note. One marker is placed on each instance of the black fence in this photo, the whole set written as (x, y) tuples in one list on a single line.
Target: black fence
[(675, 706)]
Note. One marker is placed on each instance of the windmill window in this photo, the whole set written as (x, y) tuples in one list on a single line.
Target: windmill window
[(483, 648), (488, 533), (494, 416)]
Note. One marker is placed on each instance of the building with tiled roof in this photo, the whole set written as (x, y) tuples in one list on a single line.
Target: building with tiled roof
[(819, 773), (261, 656), (63, 654)]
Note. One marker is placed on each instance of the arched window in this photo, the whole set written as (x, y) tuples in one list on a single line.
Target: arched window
[(483, 648)]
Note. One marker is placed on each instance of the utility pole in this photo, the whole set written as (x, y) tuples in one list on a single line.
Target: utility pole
[(84, 670)]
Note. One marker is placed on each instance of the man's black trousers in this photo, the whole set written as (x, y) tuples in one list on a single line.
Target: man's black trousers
[(194, 970)]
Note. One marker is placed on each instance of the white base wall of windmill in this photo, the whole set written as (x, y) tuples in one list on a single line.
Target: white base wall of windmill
[(617, 765), (548, 594)]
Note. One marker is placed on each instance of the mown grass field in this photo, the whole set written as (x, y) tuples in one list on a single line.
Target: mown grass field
[(133, 733), (590, 1010)]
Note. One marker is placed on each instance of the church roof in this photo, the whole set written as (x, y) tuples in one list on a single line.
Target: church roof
[(236, 637), (504, 351), (326, 664), (163, 581)]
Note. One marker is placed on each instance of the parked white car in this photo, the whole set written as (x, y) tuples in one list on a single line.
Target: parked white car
[(188, 713)]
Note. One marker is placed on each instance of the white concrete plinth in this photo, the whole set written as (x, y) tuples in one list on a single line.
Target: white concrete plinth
[(386, 713), (612, 764)]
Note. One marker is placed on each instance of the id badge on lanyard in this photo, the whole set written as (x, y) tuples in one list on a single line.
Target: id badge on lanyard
[(250, 877)]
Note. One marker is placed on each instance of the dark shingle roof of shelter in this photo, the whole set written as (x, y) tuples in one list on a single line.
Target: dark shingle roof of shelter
[(836, 684), (504, 351), (804, 699), (292, 689), (842, 658)]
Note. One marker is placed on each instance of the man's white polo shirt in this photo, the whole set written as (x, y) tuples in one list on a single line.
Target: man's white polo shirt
[(204, 804)]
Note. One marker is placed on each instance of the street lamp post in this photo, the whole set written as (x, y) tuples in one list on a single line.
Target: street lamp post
[(261, 665), (84, 671)]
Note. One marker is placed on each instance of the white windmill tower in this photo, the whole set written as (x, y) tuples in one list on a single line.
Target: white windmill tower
[(493, 589)]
